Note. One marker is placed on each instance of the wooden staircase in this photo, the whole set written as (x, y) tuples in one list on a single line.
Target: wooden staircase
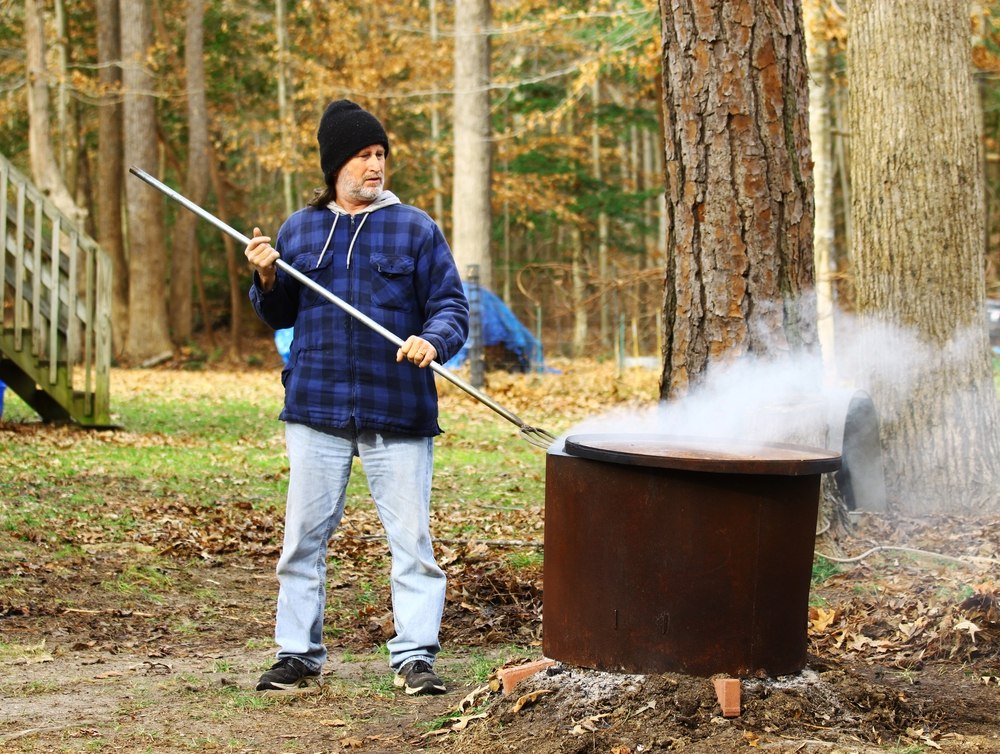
[(55, 308)]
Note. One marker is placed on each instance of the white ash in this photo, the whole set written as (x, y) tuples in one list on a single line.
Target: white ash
[(575, 686)]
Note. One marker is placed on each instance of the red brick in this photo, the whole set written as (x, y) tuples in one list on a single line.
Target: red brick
[(728, 692), (510, 677)]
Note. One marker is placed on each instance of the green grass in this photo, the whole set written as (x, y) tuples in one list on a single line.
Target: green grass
[(528, 558), (823, 569), (212, 451), (195, 449), (12, 652), (259, 645), (196, 453), (379, 684), (144, 580), (242, 700)]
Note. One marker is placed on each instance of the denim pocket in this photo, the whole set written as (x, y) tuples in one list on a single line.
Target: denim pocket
[(392, 281)]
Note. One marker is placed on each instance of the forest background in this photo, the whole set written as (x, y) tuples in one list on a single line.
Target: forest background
[(578, 223)]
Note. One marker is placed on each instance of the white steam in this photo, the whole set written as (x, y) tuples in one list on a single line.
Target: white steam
[(800, 399)]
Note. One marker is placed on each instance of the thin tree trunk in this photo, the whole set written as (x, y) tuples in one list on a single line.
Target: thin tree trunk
[(602, 217), (471, 212), (285, 119), (436, 182), (110, 164), (820, 132), (841, 156), (148, 338), (62, 98), (919, 222), (44, 166), (196, 180), (237, 295), (579, 265)]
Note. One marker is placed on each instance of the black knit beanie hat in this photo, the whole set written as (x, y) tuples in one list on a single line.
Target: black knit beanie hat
[(344, 130)]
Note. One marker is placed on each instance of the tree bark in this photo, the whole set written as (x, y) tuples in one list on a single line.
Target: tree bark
[(739, 185), (919, 224), (148, 336), (471, 213), (196, 181), (110, 164), (44, 167)]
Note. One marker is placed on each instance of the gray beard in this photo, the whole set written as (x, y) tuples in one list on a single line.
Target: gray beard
[(360, 192)]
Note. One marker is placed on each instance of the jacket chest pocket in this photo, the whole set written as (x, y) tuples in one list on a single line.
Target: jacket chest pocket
[(392, 281), (315, 266)]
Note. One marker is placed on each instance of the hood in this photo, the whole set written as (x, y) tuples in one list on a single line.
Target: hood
[(385, 199)]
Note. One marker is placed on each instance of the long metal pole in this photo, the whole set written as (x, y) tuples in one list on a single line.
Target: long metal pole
[(534, 435)]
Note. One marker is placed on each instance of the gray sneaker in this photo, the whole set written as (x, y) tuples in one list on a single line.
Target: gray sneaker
[(418, 677), (286, 674)]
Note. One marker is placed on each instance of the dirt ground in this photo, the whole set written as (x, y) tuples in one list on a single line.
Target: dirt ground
[(892, 668), (904, 654)]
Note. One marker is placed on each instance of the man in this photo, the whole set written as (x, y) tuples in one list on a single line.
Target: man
[(349, 392)]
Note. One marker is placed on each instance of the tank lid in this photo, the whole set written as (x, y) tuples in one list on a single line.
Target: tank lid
[(722, 456)]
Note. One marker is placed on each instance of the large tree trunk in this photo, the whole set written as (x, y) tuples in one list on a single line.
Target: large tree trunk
[(110, 164), (44, 167), (471, 217), (917, 181), (196, 180), (148, 337), (739, 185)]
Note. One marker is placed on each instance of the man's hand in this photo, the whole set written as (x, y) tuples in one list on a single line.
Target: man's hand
[(417, 351), (262, 256)]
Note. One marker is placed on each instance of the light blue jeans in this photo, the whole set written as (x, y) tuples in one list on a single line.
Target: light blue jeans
[(398, 469)]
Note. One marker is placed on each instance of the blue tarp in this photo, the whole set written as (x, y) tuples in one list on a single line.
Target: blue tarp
[(500, 328), (283, 342)]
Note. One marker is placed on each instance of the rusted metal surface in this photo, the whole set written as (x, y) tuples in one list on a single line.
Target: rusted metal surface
[(696, 562), (703, 454)]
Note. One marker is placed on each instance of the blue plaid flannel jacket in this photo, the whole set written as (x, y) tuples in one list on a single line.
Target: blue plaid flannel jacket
[(392, 263)]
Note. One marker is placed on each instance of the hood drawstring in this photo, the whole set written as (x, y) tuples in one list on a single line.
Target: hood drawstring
[(336, 216), (350, 249)]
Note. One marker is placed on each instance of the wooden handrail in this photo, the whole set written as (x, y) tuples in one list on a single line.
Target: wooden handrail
[(55, 307)]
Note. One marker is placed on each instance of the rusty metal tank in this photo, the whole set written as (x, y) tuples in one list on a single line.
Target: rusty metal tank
[(679, 554)]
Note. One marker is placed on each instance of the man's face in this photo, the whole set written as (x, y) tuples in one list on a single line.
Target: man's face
[(361, 178)]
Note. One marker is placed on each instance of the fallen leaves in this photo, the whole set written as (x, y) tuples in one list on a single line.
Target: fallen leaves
[(529, 699), (903, 612), (902, 631), (467, 710), (969, 627), (589, 724), (821, 618)]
